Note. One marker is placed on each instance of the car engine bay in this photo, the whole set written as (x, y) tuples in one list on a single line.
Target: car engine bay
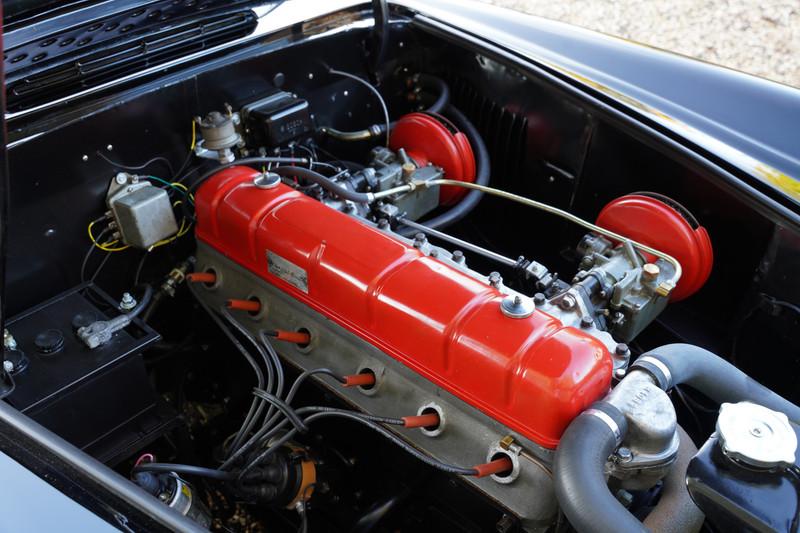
[(440, 294)]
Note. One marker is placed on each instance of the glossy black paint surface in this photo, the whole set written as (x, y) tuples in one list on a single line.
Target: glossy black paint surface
[(746, 121)]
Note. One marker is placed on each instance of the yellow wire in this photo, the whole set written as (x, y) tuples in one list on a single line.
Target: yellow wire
[(183, 230), (104, 246), (183, 187), (194, 130)]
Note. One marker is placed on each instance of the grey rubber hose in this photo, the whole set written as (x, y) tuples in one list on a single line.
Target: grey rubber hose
[(676, 512), (713, 376), (579, 475), (324, 182)]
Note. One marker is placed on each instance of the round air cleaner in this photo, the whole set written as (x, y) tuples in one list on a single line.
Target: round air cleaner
[(429, 138), (662, 223)]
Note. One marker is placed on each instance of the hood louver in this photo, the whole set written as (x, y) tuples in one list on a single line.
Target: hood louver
[(64, 64)]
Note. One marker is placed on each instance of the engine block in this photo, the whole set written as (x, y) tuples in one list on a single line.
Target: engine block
[(435, 337)]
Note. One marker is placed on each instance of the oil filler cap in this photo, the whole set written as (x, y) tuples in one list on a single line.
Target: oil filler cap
[(756, 436)]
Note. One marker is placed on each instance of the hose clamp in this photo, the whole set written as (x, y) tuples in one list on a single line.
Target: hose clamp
[(650, 363), (607, 420)]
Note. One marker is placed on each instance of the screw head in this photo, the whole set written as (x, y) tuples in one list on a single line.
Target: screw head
[(539, 299), (625, 454), (621, 349), (586, 322), (85, 157), (110, 147), (495, 279), (620, 373), (8, 366)]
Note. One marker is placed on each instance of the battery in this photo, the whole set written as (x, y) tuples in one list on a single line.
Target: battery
[(100, 400)]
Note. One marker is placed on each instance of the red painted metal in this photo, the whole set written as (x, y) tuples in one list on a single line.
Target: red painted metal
[(656, 224), (427, 140), (533, 375)]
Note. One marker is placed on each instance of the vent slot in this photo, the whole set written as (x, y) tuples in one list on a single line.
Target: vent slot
[(504, 131), (104, 51)]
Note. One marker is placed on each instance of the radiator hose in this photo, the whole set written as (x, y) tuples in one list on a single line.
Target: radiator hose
[(579, 469), (675, 364)]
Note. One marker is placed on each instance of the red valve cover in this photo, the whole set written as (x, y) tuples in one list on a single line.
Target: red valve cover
[(533, 375)]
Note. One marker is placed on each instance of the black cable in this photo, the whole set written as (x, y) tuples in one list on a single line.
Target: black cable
[(439, 465), (276, 362), (264, 431), (287, 411), (249, 358), (270, 377), (439, 87), (245, 162), (144, 301), (158, 158), (190, 470), (686, 404), (89, 252), (139, 267)]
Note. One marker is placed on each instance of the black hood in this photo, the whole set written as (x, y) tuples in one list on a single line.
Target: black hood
[(53, 48)]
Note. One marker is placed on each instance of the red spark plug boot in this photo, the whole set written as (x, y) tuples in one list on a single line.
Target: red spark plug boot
[(251, 306)]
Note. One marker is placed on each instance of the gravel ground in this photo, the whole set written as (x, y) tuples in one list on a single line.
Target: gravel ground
[(762, 38)]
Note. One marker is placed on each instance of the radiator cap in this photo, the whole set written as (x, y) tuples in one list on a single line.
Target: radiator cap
[(756, 436)]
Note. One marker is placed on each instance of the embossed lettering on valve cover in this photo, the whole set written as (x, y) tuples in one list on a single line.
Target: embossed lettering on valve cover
[(531, 374)]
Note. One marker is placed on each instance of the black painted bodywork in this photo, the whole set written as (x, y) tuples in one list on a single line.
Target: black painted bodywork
[(571, 118)]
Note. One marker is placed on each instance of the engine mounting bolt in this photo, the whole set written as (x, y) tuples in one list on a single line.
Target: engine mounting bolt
[(586, 322), (539, 299), (625, 455), (128, 302), (495, 279), (650, 271), (458, 256), (621, 349), (567, 302)]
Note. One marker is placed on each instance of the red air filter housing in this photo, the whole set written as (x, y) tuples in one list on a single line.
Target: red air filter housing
[(661, 223), (533, 374), (427, 139)]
